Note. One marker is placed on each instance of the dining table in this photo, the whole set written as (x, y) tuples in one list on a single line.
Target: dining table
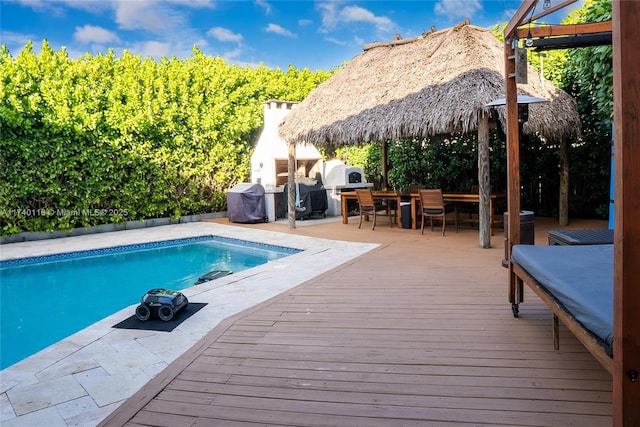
[(414, 199), (345, 196)]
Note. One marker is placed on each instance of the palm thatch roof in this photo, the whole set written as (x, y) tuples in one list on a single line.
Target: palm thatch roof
[(437, 83)]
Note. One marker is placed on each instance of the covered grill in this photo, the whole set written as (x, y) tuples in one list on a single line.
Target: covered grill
[(269, 162), (311, 198), (245, 203)]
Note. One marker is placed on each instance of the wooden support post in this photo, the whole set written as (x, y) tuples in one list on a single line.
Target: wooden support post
[(626, 268), (384, 165), (291, 180), (513, 158), (563, 202), (484, 181)]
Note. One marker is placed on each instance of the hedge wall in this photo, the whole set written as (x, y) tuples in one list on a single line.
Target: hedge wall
[(105, 139)]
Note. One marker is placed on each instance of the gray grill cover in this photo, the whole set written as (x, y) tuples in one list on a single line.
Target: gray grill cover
[(245, 203)]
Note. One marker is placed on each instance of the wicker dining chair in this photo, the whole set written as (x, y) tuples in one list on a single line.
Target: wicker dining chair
[(368, 206), (432, 205)]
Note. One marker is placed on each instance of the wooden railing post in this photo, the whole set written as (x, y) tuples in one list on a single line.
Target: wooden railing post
[(626, 268), (513, 159)]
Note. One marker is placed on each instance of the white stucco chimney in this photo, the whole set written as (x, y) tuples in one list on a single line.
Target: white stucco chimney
[(271, 153), (269, 161)]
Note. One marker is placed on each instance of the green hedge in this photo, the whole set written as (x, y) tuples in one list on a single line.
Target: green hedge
[(105, 139)]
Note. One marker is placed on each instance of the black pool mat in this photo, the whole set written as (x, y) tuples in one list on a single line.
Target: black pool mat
[(155, 324)]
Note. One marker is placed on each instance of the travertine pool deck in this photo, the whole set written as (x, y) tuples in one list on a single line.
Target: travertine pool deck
[(82, 379)]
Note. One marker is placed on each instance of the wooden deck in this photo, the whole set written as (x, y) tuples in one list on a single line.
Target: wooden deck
[(417, 332)]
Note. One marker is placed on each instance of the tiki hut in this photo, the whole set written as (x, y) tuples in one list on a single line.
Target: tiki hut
[(436, 83)]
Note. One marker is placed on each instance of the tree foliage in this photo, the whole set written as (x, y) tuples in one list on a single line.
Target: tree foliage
[(587, 75), (449, 162), (103, 139)]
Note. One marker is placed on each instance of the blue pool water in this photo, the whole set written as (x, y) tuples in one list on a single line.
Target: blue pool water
[(46, 299)]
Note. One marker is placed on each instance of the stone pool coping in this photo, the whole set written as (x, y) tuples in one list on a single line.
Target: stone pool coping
[(82, 379)]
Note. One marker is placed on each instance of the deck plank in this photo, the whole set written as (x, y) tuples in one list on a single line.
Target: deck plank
[(406, 335)]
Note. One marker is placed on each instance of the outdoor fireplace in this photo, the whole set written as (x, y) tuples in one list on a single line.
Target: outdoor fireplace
[(339, 177), (270, 159), (337, 174)]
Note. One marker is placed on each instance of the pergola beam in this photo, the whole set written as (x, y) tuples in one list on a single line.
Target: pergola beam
[(571, 42), (565, 30)]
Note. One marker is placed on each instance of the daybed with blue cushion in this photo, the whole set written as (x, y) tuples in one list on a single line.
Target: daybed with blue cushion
[(576, 282)]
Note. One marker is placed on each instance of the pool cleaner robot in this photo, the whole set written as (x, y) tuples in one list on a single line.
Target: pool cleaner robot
[(163, 303)]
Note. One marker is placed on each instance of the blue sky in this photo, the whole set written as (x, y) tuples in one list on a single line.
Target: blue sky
[(313, 34)]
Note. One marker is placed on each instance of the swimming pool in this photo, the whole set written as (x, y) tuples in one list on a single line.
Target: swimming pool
[(45, 299)]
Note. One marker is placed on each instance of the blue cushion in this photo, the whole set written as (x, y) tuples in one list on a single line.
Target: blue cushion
[(580, 277)]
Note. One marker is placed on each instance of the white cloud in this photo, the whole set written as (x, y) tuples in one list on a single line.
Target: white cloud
[(277, 29), (13, 38), (328, 12), (233, 54), (336, 41), (93, 6), (359, 14), (508, 14), (147, 15), (201, 43), (41, 6), (150, 15), (265, 5), (194, 4), (304, 22), (357, 41), (457, 8), (334, 16), (15, 42), (57, 7), (152, 48), (224, 35), (93, 34)]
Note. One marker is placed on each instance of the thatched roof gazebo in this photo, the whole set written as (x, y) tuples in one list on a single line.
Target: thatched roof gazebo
[(436, 83)]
